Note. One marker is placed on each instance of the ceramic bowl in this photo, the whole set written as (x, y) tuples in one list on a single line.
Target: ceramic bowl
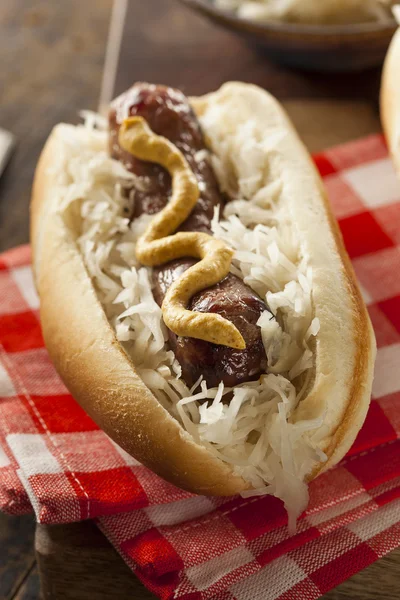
[(337, 48)]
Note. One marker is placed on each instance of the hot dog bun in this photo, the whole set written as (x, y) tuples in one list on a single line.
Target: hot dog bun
[(390, 99), (99, 373)]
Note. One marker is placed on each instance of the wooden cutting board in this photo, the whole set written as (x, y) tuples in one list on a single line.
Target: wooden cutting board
[(326, 123), (76, 562)]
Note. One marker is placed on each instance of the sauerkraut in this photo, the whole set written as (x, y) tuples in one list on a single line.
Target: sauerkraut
[(326, 12), (253, 432)]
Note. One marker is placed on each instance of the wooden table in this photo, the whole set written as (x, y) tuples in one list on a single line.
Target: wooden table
[(54, 57)]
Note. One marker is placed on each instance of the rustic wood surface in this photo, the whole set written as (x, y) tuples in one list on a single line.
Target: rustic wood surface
[(52, 62), (52, 58), (17, 558)]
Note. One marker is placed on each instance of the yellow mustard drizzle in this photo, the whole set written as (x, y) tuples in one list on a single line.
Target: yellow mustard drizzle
[(157, 246)]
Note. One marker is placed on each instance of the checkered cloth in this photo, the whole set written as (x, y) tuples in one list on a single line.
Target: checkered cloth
[(55, 459)]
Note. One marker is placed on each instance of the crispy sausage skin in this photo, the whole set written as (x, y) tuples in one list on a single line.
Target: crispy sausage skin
[(235, 301), (169, 114)]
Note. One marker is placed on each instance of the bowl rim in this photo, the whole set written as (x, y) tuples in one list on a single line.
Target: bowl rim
[(207, 6)]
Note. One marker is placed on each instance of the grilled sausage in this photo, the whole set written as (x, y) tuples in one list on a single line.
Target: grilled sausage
[(169, 114)]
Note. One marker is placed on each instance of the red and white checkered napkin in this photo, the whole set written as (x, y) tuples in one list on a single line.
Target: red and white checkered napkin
[(55, 459)]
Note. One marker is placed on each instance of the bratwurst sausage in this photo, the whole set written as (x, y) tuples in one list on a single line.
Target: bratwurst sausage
[(168, 113), (231, 299)]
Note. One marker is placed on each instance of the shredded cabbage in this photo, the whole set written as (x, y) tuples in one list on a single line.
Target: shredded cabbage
[(254, 432), (310, 11)]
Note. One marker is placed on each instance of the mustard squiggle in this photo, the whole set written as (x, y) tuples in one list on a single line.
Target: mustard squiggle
[(157, 246)]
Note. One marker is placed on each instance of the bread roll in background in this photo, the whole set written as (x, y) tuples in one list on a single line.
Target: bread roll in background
[(390, 99)]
